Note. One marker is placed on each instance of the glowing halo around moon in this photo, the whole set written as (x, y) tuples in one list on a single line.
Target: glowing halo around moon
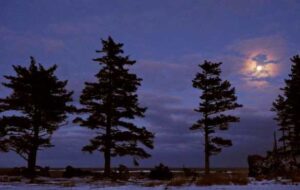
[(258, 67)]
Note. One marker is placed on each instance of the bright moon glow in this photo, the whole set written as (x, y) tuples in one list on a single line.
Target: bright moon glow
[(259, 68)]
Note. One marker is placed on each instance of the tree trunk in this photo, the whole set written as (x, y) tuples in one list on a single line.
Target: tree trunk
[(206, 149), (283, 141), (107, 163), (107, 152), (207, 168), (33, 151), (31, 163)]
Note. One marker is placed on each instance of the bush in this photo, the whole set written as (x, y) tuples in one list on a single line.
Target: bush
[(74, 172), (161, 172)]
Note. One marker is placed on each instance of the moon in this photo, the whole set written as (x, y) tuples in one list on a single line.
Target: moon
[(259, 68)]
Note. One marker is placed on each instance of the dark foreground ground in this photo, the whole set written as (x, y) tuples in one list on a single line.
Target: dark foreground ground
[(191, 178), (134, 172)]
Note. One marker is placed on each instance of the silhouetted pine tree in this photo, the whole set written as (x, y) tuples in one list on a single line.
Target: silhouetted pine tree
[(111, 103), (217, 97), (288, 109), (36, 108), (279, 106)]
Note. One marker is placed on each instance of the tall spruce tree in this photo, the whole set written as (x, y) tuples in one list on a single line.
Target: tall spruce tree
[(279, 106), (287, 108), (37, 106), (217, 97), (111, 104)]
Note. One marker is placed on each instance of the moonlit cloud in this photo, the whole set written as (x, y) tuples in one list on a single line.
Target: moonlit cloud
[(261, 59), (260, 68), (256, 83)]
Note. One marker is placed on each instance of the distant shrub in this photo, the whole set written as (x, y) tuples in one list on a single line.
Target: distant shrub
[(74, 172), (161, 172), (70, 172)]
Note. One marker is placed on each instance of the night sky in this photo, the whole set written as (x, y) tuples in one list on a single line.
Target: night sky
[(253, 39)]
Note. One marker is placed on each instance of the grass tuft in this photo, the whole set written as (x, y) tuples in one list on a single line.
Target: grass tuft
[(222, 179)]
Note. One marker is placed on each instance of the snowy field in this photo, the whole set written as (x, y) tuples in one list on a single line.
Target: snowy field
[(86, 184), (21, 186)]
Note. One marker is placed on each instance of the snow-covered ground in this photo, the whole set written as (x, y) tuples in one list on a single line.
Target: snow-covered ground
[(88, 184), (258, 186)]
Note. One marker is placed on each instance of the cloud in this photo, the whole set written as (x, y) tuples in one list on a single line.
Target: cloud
[(85, 25), (260, 67), (28, 41), (256, 83), (167, 76), (261, 59)]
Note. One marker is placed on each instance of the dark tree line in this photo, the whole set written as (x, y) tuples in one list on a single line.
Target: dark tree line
[(287, 108), (39, 103)]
